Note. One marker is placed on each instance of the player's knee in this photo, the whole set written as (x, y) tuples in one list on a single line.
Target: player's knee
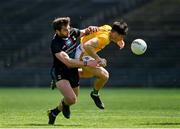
[(58, 85), (71, 100), (104, 76)]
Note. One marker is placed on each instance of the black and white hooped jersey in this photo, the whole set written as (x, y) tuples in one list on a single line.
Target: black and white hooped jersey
[(67, 45)]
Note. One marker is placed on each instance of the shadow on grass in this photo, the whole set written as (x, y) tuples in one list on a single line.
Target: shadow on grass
[(162, 123), (42, 125)]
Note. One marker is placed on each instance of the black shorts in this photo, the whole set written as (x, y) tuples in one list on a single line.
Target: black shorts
[(71, 75)]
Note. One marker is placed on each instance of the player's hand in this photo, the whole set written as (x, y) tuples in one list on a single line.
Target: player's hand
[(92, 63), (102, 62), (92, 29)]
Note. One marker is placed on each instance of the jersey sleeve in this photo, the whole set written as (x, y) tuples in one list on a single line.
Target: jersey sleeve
[(75, 32), (55, 47)]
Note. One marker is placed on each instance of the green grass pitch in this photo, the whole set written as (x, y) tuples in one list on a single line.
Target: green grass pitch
[(125, 108)]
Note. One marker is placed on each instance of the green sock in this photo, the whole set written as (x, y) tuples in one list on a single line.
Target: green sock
[(95, 91)]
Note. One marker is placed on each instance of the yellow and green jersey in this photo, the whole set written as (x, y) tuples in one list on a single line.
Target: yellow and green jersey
[(102, 35)]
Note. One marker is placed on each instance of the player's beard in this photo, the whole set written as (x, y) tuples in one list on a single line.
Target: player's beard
[(65, 36)]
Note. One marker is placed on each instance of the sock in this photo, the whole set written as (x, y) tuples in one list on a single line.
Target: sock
[(55, 111), (65, 105), (95, 91)]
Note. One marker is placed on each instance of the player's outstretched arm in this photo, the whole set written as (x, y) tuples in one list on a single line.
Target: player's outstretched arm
[(63, 56)]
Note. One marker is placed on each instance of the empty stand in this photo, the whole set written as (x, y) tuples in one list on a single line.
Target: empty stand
[(25, 37)]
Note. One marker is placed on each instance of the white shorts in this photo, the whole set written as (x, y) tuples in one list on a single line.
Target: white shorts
[(79, 50)]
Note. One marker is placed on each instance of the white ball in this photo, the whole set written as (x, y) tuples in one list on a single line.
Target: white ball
[(138, 46)]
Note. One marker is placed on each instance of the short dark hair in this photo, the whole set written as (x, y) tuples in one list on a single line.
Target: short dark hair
[(59, 22), (120, 27)]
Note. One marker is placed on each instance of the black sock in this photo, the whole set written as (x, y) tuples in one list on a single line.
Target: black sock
[(55, 111), (63, 103), (95, 91)]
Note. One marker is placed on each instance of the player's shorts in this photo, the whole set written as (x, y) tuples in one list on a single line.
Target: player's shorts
[(71, 75)]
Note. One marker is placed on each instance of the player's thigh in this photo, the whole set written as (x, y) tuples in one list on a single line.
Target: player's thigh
[(83, 73), (65, 87), (97, 72)]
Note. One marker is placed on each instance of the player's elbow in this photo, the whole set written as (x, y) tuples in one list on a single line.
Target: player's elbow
[(87, 47)]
